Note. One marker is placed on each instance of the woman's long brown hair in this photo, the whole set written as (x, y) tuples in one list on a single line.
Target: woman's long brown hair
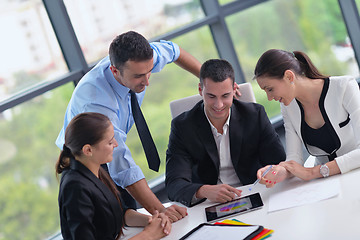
[(86, 128)]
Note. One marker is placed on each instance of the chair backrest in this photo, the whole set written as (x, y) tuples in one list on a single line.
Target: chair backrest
[(184, 104)]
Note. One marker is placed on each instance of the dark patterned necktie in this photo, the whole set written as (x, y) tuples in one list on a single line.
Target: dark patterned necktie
[(144, 134)]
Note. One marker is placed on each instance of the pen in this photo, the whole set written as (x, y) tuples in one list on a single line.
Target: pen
[(258, 180)]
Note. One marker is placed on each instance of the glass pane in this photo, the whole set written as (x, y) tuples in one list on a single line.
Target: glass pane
[(170, 84), (28, 186), (291, 25), (358, 5), (223, 2), (29, 50), (97, 23)]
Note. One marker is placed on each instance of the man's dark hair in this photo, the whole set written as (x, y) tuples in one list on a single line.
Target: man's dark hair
[(129, 46), (217, 70)]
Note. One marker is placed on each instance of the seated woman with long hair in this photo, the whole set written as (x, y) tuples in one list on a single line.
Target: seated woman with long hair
[(89, 203), (321, 113)]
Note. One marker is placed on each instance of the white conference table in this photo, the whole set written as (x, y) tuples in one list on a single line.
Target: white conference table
[(334, 218)]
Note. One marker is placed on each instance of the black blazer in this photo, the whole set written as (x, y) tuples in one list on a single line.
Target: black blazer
[(88, 209), (192, 159)]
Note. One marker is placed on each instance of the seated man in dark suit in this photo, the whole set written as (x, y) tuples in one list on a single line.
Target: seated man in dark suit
[(220, 143)]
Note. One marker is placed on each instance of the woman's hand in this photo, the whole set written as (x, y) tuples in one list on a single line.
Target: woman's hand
[(298, 170), (156, 226), (165, 221), (277, 174), (159, 226)]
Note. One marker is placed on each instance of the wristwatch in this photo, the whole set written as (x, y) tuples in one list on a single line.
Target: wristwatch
[(324, 170)]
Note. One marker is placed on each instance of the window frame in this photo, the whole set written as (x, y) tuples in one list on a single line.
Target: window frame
[(215, 15)]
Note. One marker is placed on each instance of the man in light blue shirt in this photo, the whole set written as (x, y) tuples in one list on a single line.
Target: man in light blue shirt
[(105, 89)]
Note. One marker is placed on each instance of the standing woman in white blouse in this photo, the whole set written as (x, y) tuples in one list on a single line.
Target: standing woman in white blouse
[(320, 112)]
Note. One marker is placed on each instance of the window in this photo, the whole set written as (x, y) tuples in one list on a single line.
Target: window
[(29, 51), (290, 25), (31, 56), (97, 23), (223, 2), (28, 186)]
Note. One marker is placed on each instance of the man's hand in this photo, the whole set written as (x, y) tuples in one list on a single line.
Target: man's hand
[(175, 212), (143, 194), (237, 91), (218, 193)]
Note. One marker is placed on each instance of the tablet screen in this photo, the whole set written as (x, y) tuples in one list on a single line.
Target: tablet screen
[(239, 205)]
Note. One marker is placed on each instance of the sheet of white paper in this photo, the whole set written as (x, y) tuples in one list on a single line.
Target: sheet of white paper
[(297, 192), (222, 232)]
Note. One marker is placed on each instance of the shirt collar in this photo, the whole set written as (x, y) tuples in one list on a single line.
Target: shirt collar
[(120, 89), (225, 127)]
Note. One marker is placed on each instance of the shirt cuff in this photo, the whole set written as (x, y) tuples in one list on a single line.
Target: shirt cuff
[(175, 47), (195, 200), (128, 176)]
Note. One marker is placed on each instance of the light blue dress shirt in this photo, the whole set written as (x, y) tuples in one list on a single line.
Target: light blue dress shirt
[(98, 91)]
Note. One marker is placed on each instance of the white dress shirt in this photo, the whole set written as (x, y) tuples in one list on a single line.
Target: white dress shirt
[(227, 174)]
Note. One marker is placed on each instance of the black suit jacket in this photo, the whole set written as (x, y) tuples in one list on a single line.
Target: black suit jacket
[(88, 209), (192, 158)]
